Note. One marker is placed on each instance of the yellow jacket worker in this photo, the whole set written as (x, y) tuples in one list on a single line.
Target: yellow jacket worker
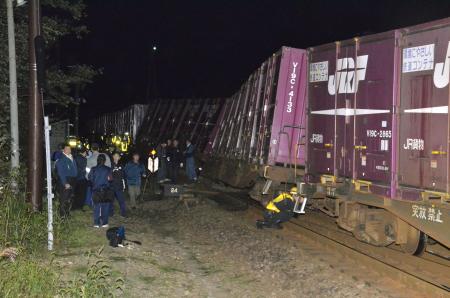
[(279, 210)]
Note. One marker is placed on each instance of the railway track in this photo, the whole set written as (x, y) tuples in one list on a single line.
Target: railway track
[(428, 274), (421, 274)]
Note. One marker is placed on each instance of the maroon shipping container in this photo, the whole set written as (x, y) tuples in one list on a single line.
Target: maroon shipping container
[(263, 123), (424, 125), (351, 95)]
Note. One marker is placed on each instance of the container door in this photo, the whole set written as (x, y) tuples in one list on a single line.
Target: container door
[(373, 119), (424, 109), (343, 87), (321, 106)]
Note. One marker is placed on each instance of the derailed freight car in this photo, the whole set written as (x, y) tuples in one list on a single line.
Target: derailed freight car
[(378, 132), (260, 130), (126, 121), (180, 119)]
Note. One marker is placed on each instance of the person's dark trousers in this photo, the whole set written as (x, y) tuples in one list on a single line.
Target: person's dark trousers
[(169, 169), (174, 174), (162, 171), (88, 200), (273, 218), (65, 198), (80, 194), (119, 195), (101, 213)]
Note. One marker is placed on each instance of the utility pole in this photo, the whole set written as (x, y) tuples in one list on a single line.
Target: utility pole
[(151, 92), (35, 105), (13, 110)]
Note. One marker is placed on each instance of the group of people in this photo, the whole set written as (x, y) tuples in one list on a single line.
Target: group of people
[(91, 178), (172, 159)]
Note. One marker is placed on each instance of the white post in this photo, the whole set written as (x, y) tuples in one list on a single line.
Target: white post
[(13, 87), (47, 129)]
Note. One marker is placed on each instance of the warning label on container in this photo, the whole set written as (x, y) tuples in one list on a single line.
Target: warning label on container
[(318, 72), (418, 58)]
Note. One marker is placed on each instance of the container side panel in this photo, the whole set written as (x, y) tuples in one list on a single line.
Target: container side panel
[(373, 119), (288, 126), (321, 108), (423, 136)]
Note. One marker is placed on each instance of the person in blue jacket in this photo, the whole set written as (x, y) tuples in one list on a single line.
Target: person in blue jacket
[(66, 168), (81, 183), (190, 162), (134, 170), (100, 178)]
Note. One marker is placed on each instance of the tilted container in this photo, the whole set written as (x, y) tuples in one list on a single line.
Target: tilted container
[(263, 123)]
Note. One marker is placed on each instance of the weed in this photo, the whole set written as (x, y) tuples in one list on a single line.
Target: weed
[(98, 281), (19, 226), (27, 278)]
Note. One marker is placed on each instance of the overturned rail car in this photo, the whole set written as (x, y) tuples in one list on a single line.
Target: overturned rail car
[(180, 119), (361, 124), (126, 121), (260, 131)]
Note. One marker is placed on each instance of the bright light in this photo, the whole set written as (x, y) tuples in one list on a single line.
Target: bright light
[(154, 48), (88, 170)]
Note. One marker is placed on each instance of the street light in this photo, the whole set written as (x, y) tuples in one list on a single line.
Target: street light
[(154, 48)]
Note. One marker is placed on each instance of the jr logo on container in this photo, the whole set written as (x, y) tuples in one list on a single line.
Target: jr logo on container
[(347, 76), (292, 82)]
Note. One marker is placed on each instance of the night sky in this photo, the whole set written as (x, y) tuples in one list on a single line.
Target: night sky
[(208, 48)]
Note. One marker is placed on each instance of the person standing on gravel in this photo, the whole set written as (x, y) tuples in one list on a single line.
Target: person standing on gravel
[(279, 210), (161, 153), (134, 170), (190, 163), (176, 161), (118, 184)]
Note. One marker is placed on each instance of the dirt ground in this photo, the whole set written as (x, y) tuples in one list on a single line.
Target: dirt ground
[(210, 251)]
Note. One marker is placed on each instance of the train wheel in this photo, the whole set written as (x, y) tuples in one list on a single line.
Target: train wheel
[(416, 242)]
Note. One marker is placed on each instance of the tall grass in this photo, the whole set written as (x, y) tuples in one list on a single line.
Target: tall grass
[(19, 226), (33, 274)]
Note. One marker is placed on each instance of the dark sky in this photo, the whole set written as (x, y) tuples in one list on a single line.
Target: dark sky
[(208, 48)]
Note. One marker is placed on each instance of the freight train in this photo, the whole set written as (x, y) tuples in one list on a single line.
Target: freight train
[(360, 125)]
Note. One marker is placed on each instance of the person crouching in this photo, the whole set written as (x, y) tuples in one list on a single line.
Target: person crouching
[(100, 178), (279, 210)]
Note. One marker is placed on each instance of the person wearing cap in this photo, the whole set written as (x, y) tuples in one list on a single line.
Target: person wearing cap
[(279, 210)]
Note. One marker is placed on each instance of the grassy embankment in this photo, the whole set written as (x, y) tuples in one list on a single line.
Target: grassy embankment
[(35, 272)]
